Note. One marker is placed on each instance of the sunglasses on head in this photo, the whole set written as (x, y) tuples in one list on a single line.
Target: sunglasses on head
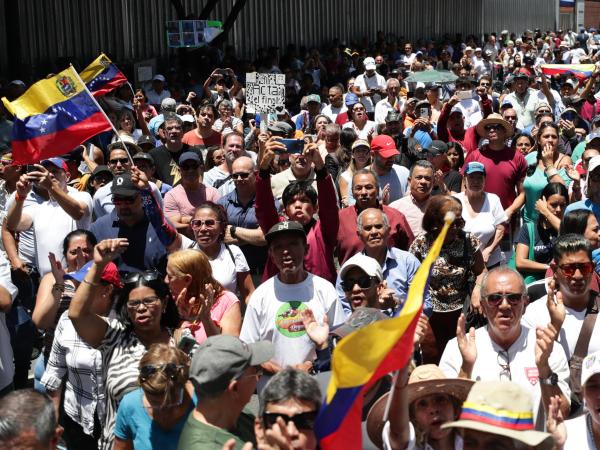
[(147, 275), (303, 421), (497, 299), (170, 369), (569, 270), (363, 282)]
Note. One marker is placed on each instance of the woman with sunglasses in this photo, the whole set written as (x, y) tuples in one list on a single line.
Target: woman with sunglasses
[(534, 244), (146, 316), (209, 309), (361, 158), (153, 415), (55, 292), (455, 274), (546, 165), (229, 265), (360, 123), (77, 367)]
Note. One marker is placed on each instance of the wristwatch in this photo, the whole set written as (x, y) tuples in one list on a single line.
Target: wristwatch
[(232, 231), (552, 380)]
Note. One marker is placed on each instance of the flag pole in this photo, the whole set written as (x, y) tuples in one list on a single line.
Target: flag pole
[(103, 113)]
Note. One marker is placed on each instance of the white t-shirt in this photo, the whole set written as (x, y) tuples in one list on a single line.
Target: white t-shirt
[(273, 315), (332, 111), (156, 99), (218, 126), (225, 267), (578, 435), (364, 133), (51, 224), (365, 83), (383, 106), (7, 368), (484, 224), (471, 111), (523, 369), (26, 237), (537, 314)]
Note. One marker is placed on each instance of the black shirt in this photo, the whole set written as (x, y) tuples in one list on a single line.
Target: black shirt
[(165, 162)]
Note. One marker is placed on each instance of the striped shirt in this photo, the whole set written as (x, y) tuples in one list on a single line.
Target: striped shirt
[(82, 364), (121, 353)]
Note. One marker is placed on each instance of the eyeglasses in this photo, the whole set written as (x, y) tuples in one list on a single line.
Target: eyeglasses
[(303, 421), (496, 300), (503, 361), (509, 118), (240, 175), (147, 301), (123, 200), (116, 161), (363, 282), (569, 270), (170, 369), (459, 222), (544, 111), (492, 127), (187, 167), (147, 275), (360, 108), (208, 223)]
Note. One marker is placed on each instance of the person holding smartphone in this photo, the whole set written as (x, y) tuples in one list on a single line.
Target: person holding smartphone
[(422, 130)]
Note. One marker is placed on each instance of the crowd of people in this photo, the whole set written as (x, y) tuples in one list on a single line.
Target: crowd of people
[(157, 281)]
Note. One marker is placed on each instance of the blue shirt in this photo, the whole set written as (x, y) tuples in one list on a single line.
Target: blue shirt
[(134, 423), (422, 137), (399, 269), (584, 204)]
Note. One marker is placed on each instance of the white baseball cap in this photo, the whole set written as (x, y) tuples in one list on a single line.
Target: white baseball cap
[(590, 366), (593, 164), (369, 63), (365, 263)]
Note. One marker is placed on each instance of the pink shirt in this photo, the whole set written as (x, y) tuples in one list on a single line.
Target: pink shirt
[(179, 202), (222, 304)]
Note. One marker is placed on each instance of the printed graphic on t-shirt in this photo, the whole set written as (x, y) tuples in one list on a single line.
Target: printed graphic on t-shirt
[(288, 321), (532, 374)]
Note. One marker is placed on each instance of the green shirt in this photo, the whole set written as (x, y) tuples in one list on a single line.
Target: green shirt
[(197, 435), (578, 152)]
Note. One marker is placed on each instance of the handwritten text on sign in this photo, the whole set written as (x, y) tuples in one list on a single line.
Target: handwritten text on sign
[(265, 91)]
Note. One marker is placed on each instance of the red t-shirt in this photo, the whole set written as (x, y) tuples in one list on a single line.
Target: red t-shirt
[(504, 169), (342, 118), (192, 138)]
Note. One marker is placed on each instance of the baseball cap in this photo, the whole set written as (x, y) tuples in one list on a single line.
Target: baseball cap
[(280, 128), (313, 98), (189, 156), (188, 118), (159, 77), (17, 83), (437, 148), (123, 186), (393, 116), (56, 162), (384, 146), (521, 75), (506, 104), (590, 367), (222, 358), (361, 317), (474, 167), (168, 104), (110, 274), (99, 170), (144, 156), (368, 265), (351, 99), (593, 164), (360, 143), (288, 226), (468, 49), (146, 140), (369, 63), (478, 49)]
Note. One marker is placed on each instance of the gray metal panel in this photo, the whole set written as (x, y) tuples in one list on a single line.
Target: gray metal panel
[(518, 15)]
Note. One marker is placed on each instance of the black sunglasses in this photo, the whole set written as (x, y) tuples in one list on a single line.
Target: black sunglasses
[(147, 275), (118, 160), (240, 175), (495, 300), (170, 369), (303, 421), (363, 282)]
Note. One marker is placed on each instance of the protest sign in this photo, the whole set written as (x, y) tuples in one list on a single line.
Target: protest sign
[(265, 91)]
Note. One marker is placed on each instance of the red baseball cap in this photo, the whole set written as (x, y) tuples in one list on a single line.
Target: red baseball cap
[(384, 145), (110, 274)]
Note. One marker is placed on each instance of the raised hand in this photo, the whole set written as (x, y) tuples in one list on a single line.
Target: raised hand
[(544, 344), (317, 333), (206, 301), (555, 423), (57, 269), (466, 343), (572, 173), (139, 178), (556, 306), (109, 249), (271, 146)]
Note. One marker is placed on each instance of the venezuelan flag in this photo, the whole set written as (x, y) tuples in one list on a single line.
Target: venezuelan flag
[(366, 355), (102, 76), (581, 71), (53, 117)]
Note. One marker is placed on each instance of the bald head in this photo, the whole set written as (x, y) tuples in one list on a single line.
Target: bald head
[(243, 163)]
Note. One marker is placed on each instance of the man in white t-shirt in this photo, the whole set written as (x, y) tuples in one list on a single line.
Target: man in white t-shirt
[(66, 210), (369, 86), (507, 350), (336, 103), (393, 101), (273, 312), (8, 292), (157, 93)]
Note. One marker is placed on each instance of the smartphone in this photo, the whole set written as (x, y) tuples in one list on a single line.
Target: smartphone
[(568, 115), (424, 112), (464, 95), (293, 145)]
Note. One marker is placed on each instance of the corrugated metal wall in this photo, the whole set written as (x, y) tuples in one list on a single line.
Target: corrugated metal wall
[(134, 29)]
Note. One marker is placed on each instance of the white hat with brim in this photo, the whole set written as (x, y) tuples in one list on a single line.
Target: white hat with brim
[(502, 408), (494, 119)]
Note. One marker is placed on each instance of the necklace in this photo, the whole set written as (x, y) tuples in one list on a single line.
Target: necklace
[(590, 430)]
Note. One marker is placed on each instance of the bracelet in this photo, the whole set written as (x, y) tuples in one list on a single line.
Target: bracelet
[(18, 197), (551, 172), (90, 282)]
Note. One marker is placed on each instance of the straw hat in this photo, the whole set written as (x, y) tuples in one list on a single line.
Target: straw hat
[(423, 381), (494, 119), (502, 408)]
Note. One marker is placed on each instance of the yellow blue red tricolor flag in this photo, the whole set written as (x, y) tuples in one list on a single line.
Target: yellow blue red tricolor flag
[(102, 76), (53, 117), (581, 71), (366, 355)]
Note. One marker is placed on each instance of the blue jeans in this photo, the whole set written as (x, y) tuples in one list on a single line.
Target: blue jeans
[(38, 373)]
